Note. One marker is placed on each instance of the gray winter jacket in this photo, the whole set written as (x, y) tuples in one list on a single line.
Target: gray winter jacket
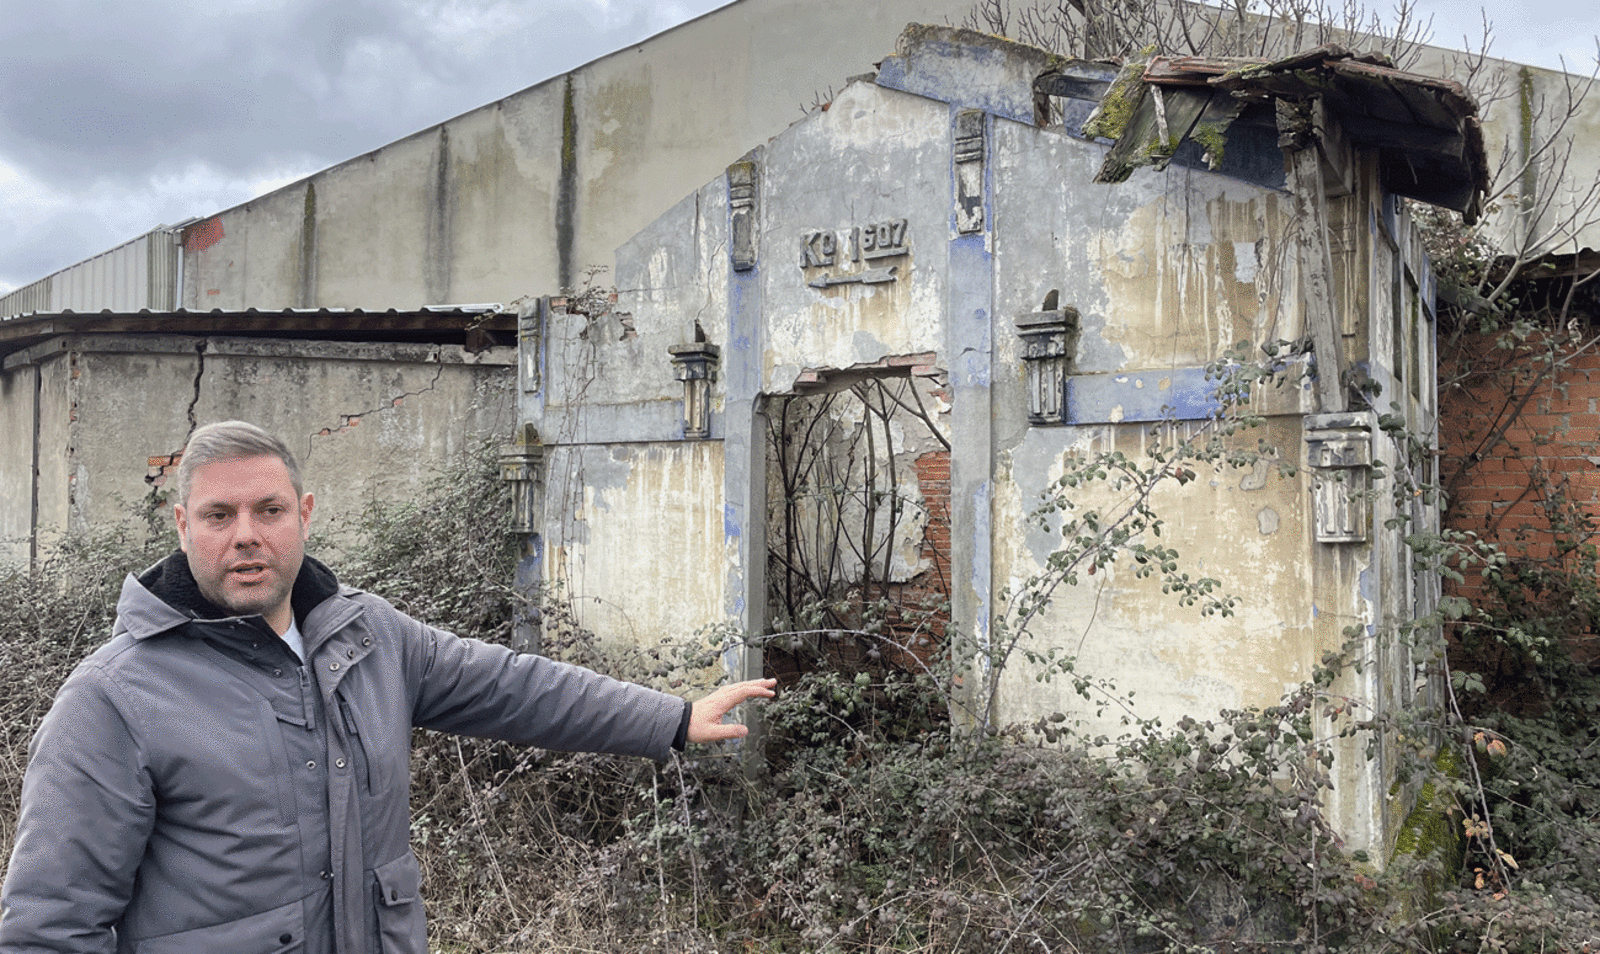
[(195, 789)]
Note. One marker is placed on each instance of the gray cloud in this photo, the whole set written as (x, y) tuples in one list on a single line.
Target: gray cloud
[(117, 116)]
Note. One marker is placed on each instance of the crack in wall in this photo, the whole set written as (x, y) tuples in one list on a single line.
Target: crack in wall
[(194, 397), (353, 420), (162, 465)]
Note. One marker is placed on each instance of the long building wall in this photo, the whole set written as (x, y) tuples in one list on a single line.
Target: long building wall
[(531, 194), (526, 195)]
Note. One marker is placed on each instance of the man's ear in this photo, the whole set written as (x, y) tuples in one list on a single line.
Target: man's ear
[(180, 518), (307, 502)]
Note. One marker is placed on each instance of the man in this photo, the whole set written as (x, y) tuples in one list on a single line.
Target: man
[(230, 771)]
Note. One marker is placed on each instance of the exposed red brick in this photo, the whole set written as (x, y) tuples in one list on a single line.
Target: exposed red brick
[(203, 235)]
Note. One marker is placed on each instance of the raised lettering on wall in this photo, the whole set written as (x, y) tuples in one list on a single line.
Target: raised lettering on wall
[(871, 242)]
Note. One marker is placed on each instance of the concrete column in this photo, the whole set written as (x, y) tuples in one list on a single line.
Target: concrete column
[(744, 446), (970, 346)]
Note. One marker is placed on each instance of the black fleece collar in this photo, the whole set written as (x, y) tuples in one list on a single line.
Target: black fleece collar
[(171, 582)]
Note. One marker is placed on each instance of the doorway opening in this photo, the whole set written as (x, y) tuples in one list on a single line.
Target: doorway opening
[(858, 525)]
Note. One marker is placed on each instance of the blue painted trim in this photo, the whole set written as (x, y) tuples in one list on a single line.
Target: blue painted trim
[(1181, 394), (741, 374), (743, 493), (969, 346)]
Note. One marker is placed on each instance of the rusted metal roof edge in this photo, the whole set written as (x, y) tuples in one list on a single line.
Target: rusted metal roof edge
[(475, 326)]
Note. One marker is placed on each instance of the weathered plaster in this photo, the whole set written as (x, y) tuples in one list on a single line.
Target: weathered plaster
[(361, 416), (828, 157), (1167, 271), (18, 407), (1126, 629), (663, 500)]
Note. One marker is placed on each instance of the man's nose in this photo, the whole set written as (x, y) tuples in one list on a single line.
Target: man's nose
[(245, 532)]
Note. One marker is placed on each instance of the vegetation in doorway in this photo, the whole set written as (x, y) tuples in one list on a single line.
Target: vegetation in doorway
[(858, 518)]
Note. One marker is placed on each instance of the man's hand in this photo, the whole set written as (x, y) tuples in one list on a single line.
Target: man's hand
[(705, 721)]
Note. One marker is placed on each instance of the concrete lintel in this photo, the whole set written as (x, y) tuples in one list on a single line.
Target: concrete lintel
[(642, 422)]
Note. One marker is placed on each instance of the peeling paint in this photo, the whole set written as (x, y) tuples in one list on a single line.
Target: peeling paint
[(1246, 261), (1257, 477), (662, 498), (1267, 520)]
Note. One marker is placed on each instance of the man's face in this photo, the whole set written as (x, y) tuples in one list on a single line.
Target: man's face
[(244, 532)]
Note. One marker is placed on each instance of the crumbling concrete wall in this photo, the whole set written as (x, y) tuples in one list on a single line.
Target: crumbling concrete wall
[(371, 422), (905, 230)]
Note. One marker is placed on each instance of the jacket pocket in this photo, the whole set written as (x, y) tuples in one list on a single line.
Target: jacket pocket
[(279, 931), (401, 928)]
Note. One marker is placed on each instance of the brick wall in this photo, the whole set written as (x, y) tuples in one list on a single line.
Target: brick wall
[(1536, 492)]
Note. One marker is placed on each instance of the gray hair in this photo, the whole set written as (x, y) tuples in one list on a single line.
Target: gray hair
[(232, 440)]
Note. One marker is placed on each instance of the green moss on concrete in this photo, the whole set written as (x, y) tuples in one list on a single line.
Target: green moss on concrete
[(1430, 838), (1116, 110), (1213, 139), (1117, 106)]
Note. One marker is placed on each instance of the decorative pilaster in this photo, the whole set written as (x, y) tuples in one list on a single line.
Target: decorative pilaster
[(530, 329), (742, 193), (697, 368), (522, 466), (1049, 339), (969, 156), (1339, 452)]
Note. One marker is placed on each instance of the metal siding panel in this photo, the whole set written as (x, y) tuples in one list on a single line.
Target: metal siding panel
[(27, 299), (162, 282), (117, 280)]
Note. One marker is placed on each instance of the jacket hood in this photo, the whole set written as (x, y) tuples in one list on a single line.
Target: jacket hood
[(166, 596)]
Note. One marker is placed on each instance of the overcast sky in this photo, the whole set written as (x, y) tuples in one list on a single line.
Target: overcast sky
[(118, 116)]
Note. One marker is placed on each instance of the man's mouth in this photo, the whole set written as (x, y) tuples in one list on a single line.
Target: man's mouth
[(248, 572)]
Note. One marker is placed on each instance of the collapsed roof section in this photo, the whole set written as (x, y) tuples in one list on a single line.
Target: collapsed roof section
[(1425, 130)]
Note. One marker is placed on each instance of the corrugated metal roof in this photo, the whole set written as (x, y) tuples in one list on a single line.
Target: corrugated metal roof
[(473, 326), (140, 273)]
